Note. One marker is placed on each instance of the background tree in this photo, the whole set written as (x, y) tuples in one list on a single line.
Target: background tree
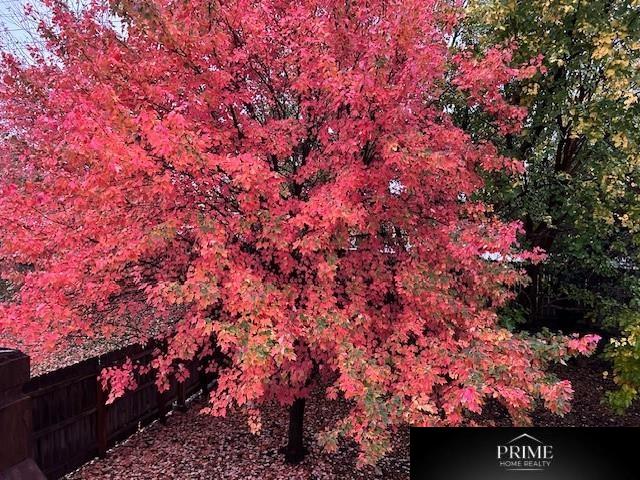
[(578, 197), (279, 175)]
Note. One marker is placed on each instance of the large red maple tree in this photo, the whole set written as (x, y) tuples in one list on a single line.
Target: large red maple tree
[(280, 176)]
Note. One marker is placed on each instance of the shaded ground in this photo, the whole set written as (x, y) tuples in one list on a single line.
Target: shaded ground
[(196, 446), (588, 409)]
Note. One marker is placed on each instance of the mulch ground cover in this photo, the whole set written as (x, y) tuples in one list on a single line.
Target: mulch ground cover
[(588, 409), (70, 355), (196, 446)]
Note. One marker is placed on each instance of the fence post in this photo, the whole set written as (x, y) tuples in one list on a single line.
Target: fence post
[(101, 419), (162, 406), (15, 419), (203, 380), (181, 400)]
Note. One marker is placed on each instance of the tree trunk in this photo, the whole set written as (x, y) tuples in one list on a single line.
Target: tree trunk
[(543, 237), (295, 451), (532, 292)]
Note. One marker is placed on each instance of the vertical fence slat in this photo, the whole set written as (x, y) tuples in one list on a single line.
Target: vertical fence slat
[(181, 400), (16, 424), (101, 420)]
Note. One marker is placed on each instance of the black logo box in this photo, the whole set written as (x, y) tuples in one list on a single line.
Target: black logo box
[(570, 453)]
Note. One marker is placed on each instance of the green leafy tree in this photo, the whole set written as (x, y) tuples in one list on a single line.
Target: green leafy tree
[(579, 196)]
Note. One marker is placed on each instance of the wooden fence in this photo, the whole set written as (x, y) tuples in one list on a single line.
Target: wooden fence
[(72, 423)]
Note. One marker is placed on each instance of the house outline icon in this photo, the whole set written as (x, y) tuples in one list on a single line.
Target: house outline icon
[(524, 435)]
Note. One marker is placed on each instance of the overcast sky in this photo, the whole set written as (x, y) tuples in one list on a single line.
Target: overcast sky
[(16, 30)]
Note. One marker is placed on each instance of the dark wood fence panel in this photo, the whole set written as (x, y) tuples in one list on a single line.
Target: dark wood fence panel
[(71, 422), (64, 417)]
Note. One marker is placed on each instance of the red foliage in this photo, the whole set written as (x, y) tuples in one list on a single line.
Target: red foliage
[(280, 175)]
